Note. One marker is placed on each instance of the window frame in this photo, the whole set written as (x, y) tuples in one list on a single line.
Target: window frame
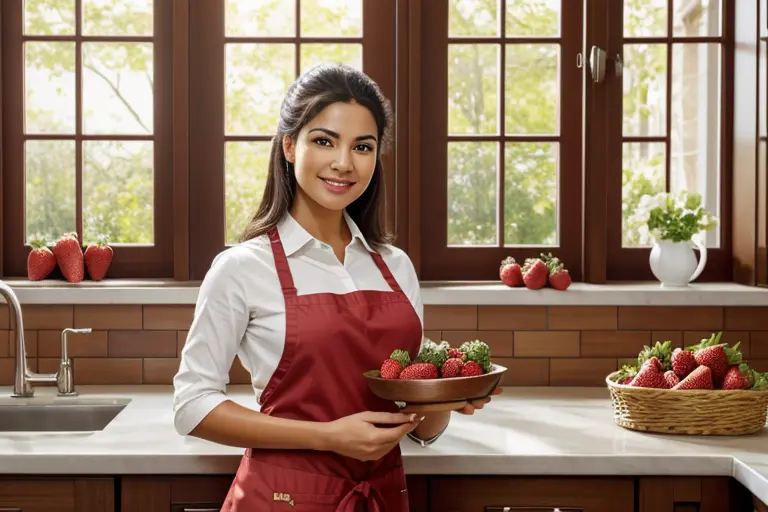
[(631, 263), (130, 261), (480, 263)]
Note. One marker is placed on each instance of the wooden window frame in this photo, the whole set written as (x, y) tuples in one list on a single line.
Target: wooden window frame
[(130, 261), (439, 262), (623, 263)]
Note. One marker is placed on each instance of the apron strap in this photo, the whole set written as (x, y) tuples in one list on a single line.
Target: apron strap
[(363, 492), (281, 263), (384, 269)]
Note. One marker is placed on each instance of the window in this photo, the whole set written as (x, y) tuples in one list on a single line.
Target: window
[(246, 54), (501, 135), (671, 128), (762, 150), (86, 129), (150, 122)]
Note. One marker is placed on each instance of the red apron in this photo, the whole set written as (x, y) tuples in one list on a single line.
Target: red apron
[(330, 341)]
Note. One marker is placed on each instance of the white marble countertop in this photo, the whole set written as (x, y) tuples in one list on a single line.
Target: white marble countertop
[(524, 431), (160, 291)]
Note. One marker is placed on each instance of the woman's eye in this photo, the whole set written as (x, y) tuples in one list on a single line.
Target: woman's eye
[(322, 141), (364, 147)]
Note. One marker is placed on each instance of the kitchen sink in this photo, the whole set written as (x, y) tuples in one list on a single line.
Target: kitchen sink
[(52, 415)]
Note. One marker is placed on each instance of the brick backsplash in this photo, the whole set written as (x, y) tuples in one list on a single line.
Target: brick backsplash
[(541, 346)]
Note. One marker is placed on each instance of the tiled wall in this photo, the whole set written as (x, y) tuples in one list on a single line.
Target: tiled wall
[(557, 345)]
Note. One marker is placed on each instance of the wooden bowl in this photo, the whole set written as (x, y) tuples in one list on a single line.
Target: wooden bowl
[(435, 394)]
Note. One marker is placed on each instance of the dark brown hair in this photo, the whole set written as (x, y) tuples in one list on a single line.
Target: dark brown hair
[(311, 93)]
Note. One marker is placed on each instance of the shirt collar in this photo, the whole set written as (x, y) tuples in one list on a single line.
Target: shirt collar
[(294, 237)]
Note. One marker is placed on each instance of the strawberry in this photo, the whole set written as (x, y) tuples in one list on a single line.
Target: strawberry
[(419, 371), (455, 353), (452, 368), (535, 273), (390, 369), (626, 374), (738, 377), (510, 272), (718, 358), (683, 362), (650, 375), (40, 261), (69, 256), (699, 378), (471, 369), (98, 258), (671, 378), (559, 277)]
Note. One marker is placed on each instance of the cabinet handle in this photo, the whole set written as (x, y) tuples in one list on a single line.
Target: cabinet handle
[(533, 509)]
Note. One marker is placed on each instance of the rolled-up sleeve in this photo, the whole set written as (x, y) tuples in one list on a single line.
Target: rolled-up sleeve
[(220, 320)]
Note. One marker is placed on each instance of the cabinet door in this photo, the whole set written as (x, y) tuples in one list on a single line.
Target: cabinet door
[(56, 495), (531, 494), (174, 494), (685, 494)]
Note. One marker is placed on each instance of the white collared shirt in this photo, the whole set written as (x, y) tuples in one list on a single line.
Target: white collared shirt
[(240, 309)]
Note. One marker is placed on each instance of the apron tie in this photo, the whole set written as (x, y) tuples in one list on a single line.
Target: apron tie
[(363, 492)]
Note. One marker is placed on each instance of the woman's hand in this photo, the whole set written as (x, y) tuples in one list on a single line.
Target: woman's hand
[(359, 436), (470, 407)]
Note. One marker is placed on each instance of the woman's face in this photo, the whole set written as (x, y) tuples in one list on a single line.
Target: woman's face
[(334, 155)]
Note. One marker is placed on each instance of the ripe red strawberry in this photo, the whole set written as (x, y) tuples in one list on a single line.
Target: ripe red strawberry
[(419, 371), (683, 362), (700, 378), (69, 256), (40, 261), (715, 358), (452, 368), (455, 353), (672, 379), (390, 369), (510, 272), (559, 277), (98, 258), (738, 377), (535, 274), (651, 375), (471, 369)]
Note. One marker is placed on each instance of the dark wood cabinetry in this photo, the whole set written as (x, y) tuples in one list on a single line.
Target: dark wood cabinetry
[(427, 494), (54, 494)]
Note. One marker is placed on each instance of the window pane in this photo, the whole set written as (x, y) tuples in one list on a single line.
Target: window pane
[(331, 18), (118, 191), (258, 75), (472, 193), (533, 17), (695, 138), (246, 166), (473, 82), (117, 17), (645, 18), (118, 88), (49, 77), (266, 18), (473, 18), (531, 89), (312, 54), (762, 89), (530, 193), (48, 18), (49, 172), (693, 18), (645, 89), (643, 172)]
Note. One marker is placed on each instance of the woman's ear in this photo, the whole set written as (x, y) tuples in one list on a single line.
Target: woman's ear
[(289, 148)]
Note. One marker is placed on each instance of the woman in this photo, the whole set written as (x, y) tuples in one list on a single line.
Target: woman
[(314, 296)]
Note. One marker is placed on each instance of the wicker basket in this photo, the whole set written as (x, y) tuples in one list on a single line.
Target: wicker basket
[(688, 412)]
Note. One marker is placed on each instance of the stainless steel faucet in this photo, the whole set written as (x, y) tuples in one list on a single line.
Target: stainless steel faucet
[(24, 378)]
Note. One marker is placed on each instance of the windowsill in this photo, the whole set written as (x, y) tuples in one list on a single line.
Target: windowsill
[(158, 291)]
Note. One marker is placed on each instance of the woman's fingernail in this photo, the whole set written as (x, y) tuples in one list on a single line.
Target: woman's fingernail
[(413, 417)]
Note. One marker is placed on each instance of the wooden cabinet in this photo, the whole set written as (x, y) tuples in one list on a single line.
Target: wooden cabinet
[(53, 494), (531, 494), (207, 493)]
